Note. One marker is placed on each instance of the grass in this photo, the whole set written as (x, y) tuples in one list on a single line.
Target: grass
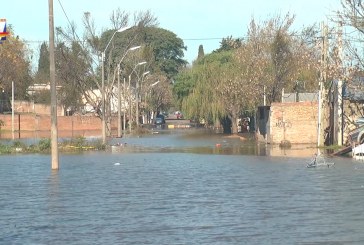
[(78, 144)]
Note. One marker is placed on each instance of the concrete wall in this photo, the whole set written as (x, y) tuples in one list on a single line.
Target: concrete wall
[(35, 125), (30, 107), (293, 121)]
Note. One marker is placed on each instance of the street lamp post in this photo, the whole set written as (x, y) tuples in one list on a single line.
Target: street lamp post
[(130, 105), (103, 121), (137, 96), (119, 91), (150, 90)]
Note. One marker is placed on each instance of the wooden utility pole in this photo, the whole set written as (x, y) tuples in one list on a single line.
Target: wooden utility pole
[(54, 133), (119, 104), (322, 114), (340, 88)]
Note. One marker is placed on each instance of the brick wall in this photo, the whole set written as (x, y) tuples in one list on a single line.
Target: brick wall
[(293, 121)]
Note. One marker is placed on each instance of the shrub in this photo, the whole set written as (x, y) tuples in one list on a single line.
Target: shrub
[(44, 145)]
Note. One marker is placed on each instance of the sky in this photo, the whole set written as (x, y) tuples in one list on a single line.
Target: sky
[(196, 22)]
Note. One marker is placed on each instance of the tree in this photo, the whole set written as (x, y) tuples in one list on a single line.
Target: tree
[(160, 93), (43, 64), (229, 43), (201, 52), (79, 62), (42, 75), (184, 84), (14, 66), (203, 100), (73, 76), (272, 41), (166, 48), (351, 15), (231, 80)]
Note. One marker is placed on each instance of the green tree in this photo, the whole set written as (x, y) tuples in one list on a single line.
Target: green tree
[(229, 43), (158, 92), (43, 63), (201, 52), (42, 75), (203, 101), (72, 71), (164, 50), (14, 66)]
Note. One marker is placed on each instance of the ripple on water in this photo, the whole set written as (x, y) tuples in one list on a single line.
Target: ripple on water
[(179, 198)]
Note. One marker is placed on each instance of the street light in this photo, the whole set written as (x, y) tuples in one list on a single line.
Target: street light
[(103, 83), (119, 92), (137, 97), (130, 106), (146, 92)]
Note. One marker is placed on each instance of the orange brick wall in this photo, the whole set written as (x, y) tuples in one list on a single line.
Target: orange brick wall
[(293, 121)]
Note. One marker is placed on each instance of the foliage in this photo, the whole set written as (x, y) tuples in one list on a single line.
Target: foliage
[(229, 43), (14, 66), (158, 93), (44, 145), (79, 64), (184, 84), (42, 75), (203, 100), (81, 144), (162, 49), (201, 52), (350, 16), (5, 149), (232, 79), (272, 41), (73, 75)]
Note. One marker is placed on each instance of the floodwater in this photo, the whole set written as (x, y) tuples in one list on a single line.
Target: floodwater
[(181, 189)]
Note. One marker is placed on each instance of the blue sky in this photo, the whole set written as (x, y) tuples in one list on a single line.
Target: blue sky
[(205, 20)]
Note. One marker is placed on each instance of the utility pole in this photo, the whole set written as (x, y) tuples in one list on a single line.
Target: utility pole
[(119, 103), (124, 114), (322, 110), (340, 88), (130, 105), (54, 133), (12, 109)]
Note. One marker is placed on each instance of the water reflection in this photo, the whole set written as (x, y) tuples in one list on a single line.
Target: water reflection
[(180, 189), (201, 142)]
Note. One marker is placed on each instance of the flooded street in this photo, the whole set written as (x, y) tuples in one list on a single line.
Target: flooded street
[(181, 189)]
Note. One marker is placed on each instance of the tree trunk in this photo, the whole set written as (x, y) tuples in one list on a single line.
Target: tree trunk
[(234, 125)]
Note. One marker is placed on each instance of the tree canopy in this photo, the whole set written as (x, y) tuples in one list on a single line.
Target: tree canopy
[(14, 66)]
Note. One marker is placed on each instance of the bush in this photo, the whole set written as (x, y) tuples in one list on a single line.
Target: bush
[(5, 149), (79, 141), (44, 145)]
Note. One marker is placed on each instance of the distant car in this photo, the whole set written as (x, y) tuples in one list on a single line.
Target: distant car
[(178, 115), (159, 120)]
